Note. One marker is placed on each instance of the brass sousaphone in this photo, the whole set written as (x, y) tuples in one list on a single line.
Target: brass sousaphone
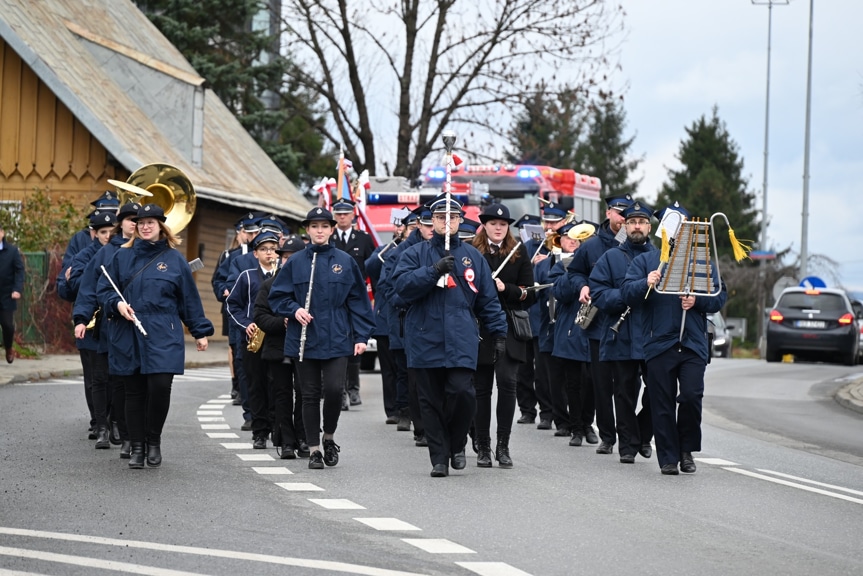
[(165, 186)]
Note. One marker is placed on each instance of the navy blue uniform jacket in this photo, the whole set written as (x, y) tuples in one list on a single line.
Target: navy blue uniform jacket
[(663, 313), (441, 329), (605, 282), (583, 261), (396, 306), (164, 297), (340, 303), (570, 341), (86, 302)]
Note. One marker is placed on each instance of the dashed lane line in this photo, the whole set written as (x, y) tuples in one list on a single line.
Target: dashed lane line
[(492, 569), (438, 546), (332, 566), (336, 503), (387, 524)]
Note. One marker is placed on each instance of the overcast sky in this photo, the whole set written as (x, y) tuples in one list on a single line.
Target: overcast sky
[(682, 57)]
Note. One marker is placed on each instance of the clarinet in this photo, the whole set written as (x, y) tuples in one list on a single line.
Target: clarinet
[(308, 303), (616, 327)]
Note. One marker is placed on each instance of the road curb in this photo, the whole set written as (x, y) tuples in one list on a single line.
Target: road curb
[(851, 396)]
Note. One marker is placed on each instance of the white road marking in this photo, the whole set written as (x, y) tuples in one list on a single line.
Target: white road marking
[(256, 458), (226, 396), (208, 413), (93, 562), (716, 461), (211, 419), (336, 503), (299, 487), (387, 524), (795, 485), (271, 470), (237, 445), (438, 546), (215, 427), (492, 569), (213, 553), (222, 435), (51, 383), (224, 402), (211, 407), (813, 482)]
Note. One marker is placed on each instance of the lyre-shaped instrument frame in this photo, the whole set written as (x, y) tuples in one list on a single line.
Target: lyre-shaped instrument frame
[(696, 276)]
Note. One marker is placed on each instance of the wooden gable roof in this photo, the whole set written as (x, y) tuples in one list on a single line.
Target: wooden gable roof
[(134, 91)]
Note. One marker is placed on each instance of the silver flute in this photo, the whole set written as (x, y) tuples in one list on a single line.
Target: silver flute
[(137, 322), (308, 303), (508, 256)]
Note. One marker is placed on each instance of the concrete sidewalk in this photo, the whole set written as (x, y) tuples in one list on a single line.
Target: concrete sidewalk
[(63, 365)]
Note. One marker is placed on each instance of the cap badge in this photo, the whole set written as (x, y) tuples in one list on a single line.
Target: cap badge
[(499, 212)]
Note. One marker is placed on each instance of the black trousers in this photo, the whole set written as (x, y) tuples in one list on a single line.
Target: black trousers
[(148, 398), (87, 367), (321, 378), (7, 324), (603, 391), (281, 380), (238, 348), (542, 383), (352, 374), (557, 387), (448, 405), (400, 362), (627, 385), (259, 393), (675, 382), (505, 372), (579, 393), (118, 404), (524, 391), (100, 388), (389, 376)]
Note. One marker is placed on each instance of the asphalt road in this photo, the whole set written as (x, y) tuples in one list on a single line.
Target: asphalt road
[(778, 491)]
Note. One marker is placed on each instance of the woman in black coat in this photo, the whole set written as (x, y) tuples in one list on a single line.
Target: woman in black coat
[(11, 287), (495, 243)]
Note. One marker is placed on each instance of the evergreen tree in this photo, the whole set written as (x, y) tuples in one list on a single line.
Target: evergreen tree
[(604, 151), (243, 67), (711, 180), (546, 132)]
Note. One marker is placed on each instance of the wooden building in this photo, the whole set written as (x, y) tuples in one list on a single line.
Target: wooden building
[(91, 90)]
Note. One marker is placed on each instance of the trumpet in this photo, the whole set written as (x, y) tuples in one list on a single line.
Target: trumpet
[(256, 340), (586, 314)]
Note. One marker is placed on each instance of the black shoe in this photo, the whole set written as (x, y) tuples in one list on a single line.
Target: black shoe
[(237, 401), (439, 471), (605, 448), (154, 455), (91, 432), (483, 454), (234, 394), (392, 420), (646, 450), (125, 449), (136, 455), (345, 403), (501, 454), (458, 461), (404, 421), (302, 449), (316, 460), (247, 426), (544, 425), (286, 453), (526, 419), (670, 470), (576, 439), (114, 434), (687, 464), (355, 398), (421, 440), (627, 458), (102, 442), (331, 452), (259, 443), (590, 436), (561, 432), (10, 355)]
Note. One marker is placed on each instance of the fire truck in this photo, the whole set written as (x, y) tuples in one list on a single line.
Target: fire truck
[(522, 188)]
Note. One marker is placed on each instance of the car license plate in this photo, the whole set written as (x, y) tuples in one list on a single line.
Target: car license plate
[(810, 324)]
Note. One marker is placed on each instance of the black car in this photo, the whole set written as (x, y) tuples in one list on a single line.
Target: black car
[(813, 324)]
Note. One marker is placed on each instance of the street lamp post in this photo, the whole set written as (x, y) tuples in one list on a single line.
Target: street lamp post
[(762, 289), (804, 229)]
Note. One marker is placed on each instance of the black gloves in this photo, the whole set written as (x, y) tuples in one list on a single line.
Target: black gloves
[(445, 265), (499, 348)]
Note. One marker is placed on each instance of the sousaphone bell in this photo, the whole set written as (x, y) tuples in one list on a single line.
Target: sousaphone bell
[(165, 186)]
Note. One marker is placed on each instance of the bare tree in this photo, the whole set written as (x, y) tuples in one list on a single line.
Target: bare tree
[(405, 70)]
